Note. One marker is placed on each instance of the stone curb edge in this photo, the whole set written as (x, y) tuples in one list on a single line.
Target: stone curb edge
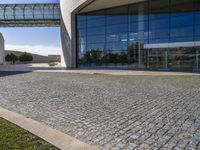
[(55, 137), (110, 72)]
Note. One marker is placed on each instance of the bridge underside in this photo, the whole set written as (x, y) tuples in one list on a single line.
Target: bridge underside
[(29, 23), (29, 15)]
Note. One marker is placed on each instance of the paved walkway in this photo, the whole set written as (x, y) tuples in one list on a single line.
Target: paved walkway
[(123, 72), (45, 68), (111, 112), (30, 67)]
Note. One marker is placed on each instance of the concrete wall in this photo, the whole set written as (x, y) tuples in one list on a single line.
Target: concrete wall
[(36, 58), (68, 33), (2, 48), (69, 9)]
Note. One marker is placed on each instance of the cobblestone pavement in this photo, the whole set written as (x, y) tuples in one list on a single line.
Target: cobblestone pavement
[(111, 112)]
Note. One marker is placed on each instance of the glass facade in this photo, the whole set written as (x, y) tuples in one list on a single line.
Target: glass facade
[(156, 34)]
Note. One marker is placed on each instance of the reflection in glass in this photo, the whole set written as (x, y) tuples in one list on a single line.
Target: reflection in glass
[(182, 58), (157, 34)]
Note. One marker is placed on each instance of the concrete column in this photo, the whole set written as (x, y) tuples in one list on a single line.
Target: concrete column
[(66, 37), (2, 49), (68, 30), (68, 54)]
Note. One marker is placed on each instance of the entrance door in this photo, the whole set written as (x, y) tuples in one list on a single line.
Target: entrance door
[(183, 59), (158, 59)]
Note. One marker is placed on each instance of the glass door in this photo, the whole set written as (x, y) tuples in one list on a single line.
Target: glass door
[(157, 59), (183, 59)]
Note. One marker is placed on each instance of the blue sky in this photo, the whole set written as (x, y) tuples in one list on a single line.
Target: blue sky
[(42, 41)]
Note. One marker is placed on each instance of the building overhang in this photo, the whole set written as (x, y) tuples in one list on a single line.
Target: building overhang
[(104, 4)]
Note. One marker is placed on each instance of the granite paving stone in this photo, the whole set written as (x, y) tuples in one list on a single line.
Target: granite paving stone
[(110, 112)]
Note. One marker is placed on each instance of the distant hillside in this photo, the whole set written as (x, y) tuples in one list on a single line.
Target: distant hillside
[(36, 58)]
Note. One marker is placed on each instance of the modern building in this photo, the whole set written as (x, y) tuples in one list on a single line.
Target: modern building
[(131, 34), (122, 34), (1, 49)]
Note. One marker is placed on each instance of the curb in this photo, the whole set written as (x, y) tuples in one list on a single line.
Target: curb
[(52, 136), (110, 72)]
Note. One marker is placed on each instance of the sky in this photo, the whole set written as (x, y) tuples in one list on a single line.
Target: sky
[(43, 41)]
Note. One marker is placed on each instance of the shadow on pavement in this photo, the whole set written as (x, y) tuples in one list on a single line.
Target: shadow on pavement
[(10, 73)]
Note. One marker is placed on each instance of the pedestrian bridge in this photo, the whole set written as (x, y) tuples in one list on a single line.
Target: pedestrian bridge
[(29, 15)]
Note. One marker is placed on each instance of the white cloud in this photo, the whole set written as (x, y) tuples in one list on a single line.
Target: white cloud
[(36, 49)]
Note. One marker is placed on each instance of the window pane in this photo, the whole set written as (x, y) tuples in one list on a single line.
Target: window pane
[(96, 30), (96, 22), (18, 12), (159, 24), (28, 12), (97, 46), (81, 32), (181, 32), (96, 39), (159, 33), (117, 20), (82, 24), (9, 12), (118, 46), (183, 20), (197, 18), (135, 27), (119, 28), (117, 37)]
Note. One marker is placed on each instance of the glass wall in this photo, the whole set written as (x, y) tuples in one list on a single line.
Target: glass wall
[(156, 34)]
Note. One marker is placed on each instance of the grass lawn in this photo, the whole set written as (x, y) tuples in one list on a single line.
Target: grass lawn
[(13, 137)]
